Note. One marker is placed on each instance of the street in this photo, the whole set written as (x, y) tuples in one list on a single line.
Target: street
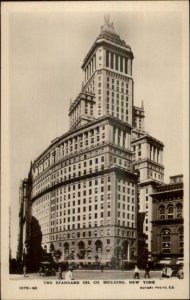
[(91, 275)]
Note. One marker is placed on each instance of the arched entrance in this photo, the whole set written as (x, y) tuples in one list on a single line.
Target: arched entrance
[(98, 248), (125, 246), (66, 250), (89, 253), (81, 250)]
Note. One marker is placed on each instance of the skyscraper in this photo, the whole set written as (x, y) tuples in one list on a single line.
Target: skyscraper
[(85, 188)]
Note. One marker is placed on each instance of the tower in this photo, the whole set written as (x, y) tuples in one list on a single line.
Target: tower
[(108, 82), (148, 161)]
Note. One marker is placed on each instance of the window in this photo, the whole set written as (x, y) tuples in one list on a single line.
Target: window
[(170, 212), (179, 210), (162, 212), (165, 238), (108, 231)]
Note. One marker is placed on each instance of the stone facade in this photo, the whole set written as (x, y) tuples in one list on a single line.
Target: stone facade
[(167, 223)]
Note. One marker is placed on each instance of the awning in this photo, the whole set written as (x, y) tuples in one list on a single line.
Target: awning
[(179, 261), (165, 261), (105, 260)]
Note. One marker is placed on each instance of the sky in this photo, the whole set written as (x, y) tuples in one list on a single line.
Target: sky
[(46, 50)]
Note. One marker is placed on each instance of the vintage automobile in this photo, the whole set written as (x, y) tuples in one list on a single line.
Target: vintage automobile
[(46, 269)]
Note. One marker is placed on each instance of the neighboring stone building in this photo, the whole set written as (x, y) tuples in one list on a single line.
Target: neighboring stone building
[(167, 222), (148, 161), (23, 200)]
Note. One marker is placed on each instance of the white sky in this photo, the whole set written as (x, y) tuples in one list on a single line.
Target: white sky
[(46, 50)]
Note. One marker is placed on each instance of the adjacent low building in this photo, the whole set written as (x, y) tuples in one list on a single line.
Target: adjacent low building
[(167, 222)]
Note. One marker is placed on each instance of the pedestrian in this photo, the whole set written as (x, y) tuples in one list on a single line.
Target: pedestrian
[(180, 273), (102, 268), (147, 271), (59, 273), (69, 274), (136, 271), (164, 272), (25, 271), (40, 271)]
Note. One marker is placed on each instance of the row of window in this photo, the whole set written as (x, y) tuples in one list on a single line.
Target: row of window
[(166, 240), (96, 232), (77, 170), (72, 144), (118, 62), (170, 211)]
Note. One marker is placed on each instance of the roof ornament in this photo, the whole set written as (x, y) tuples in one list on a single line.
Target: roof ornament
[(107, 19), (142, 104), (107, 25)]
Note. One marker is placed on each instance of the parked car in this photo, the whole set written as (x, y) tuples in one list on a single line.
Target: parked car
[(166, 272), (46, 269)]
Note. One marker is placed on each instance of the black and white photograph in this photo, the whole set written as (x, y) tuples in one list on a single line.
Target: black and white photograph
[(95, 187)]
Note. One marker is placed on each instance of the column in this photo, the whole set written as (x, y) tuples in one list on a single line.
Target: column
[(100, 134), (129, 66), (106, 133), (111, 139), (91, 67), (161, 156), (78, 142), (64, 148), (126, 140), (116, 136), (83, 139), (128, 253), (87, 73), (121, 138), (129, 141), (92, 64), (62, 151), (119, 63), (72, 143), (114, 58), (109, 60), (155, 153), (68, 143), (150, 152), (89, 70), (58, 152), (124, 64)]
